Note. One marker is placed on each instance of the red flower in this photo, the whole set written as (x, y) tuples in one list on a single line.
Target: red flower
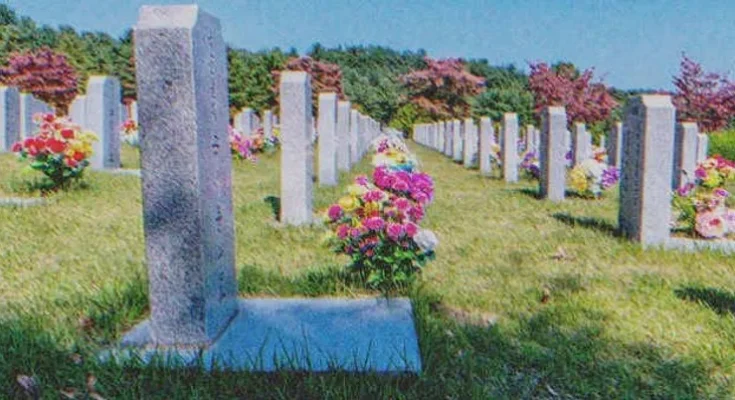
[(78, 156), (49, 117), (18, 146), (67, 133), (56, 146), (71, 162)]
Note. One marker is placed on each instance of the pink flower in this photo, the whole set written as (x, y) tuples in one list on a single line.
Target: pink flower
[(374, 223), (361, 180), (685, 190), (700, 173), (373, 195), (710, 225), (394, 231), (343, 231), (400, 186), (402, 204), (335, 212), (355, 233), (411, 229), (720, 192), (421, 197), (416, 213)]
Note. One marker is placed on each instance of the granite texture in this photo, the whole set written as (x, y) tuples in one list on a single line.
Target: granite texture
[(354, 137), (297, 192), (581, 144), (22, 201), (77, 111), (186, 167), (552, 152), (486, 134), (457, 139), (327, 139), (685, 153), (244, 121), (509, 149), (702, 147), (468, 145), (10, 121), (615, 145), (645, 182), (103, 118)]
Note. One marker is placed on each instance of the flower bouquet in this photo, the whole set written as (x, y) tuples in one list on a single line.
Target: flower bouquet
[(704, 207), (593, 176), (129, 131)]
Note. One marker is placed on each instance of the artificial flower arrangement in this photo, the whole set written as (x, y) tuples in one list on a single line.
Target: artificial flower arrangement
[(593, 176), (247, 147), (530, 165), (377, 223), (704, 206), (59, 149), (130, 135)]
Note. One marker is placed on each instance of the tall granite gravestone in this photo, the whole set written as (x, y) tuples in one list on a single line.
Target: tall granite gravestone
[(102, 117), (457, 139), (702, 147), (685, 154), (245, 121), (77, 110), (581, 144), (268, 123), (297, 154), (354, 137), (327, 139), (645, 182), (181, 72), (448, 147), (510, 147), (134, 111), (468, 145), (26, 115), (486, 134), (343, 135), (552, 151), (602, 142), (10, 121), (615, 145), (440, 144)]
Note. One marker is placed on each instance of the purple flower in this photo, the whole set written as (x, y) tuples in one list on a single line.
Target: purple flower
[(361, 180), (610, 177), (720, 192), (374, 223), (394, 231), (343, 231), (411, 229), (335, 212), (686, 190)]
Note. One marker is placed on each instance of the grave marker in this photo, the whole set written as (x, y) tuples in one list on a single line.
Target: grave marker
[(510, 147), (327, 139), (552, 152), (102, 117)]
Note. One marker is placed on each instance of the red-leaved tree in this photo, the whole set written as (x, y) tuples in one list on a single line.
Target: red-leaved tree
[(44, 73), (444, 88), (583, 100), (705, 98), (325, 77)]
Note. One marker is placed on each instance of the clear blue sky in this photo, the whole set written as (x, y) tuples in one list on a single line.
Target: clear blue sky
[(632, 43)]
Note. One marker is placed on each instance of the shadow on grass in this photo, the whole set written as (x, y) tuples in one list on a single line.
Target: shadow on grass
[(275, 203), (559, 351), (530, 192), (721, 301), (588, 222)]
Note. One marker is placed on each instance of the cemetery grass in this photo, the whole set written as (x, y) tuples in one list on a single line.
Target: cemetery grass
[(526, 299)]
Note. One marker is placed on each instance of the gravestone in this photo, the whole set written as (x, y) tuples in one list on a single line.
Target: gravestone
[(364, 132), (77, 110), (615, 145), (268, 123), (581, 144), (448, 146), (26, 115), (10, 121), (327, 139), (602, 142), (440, 136), (702, 147), (133, 111), (486, 134), (470, 135), (354, 137), (343, 135), (186, 175), (645, 182), (552, 152), (685, 154), (457, 139), (530, 145), (245, 121), (297, 154), (102, 117), (510, 147)]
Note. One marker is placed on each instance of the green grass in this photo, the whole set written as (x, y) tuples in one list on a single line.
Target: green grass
[(722, 143), (618, 323)]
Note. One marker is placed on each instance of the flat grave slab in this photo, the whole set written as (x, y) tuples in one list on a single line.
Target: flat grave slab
[(692, 245), (326, 334), (120, 171), (22, 201)]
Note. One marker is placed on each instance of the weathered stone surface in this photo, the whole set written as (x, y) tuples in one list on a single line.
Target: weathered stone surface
[(510, 147), (133, 111), (685, 153), (26, 115), (297, 151), (468, 145), (244, 121), (615, 145), (268, 123), (448, 146), (343, 135), (645, 183), (181, 72), (354, 137), (440, 136), (581, 144), (9, 117), (102, 117), (552, 152), (702, 147), (327, 139), (77, 110), (457, 140), (486, 134)]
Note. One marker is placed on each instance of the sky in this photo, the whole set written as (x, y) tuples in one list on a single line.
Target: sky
[(630, 43)]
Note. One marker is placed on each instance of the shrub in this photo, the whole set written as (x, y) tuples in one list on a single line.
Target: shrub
[(722, 143)]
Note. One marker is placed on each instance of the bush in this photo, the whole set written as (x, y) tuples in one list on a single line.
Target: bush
[(722, 143)]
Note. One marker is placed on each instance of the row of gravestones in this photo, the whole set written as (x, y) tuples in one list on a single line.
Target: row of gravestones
[(655, 155), (16, 115)]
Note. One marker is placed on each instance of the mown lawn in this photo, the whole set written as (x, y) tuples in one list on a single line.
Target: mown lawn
[(574, 310)]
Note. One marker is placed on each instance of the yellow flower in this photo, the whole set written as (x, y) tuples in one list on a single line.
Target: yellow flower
[(578, 179), (371, 207), (348, 203), (356, 190)]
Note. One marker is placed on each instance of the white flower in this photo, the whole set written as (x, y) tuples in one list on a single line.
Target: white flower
[(426, 240)]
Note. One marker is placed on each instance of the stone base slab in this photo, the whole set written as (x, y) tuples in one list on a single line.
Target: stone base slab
[(22, 201), (362, 335)]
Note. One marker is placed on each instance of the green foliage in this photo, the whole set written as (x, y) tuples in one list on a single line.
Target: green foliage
[(406, 117), (250, 80), (494, 102), (723, 143)]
